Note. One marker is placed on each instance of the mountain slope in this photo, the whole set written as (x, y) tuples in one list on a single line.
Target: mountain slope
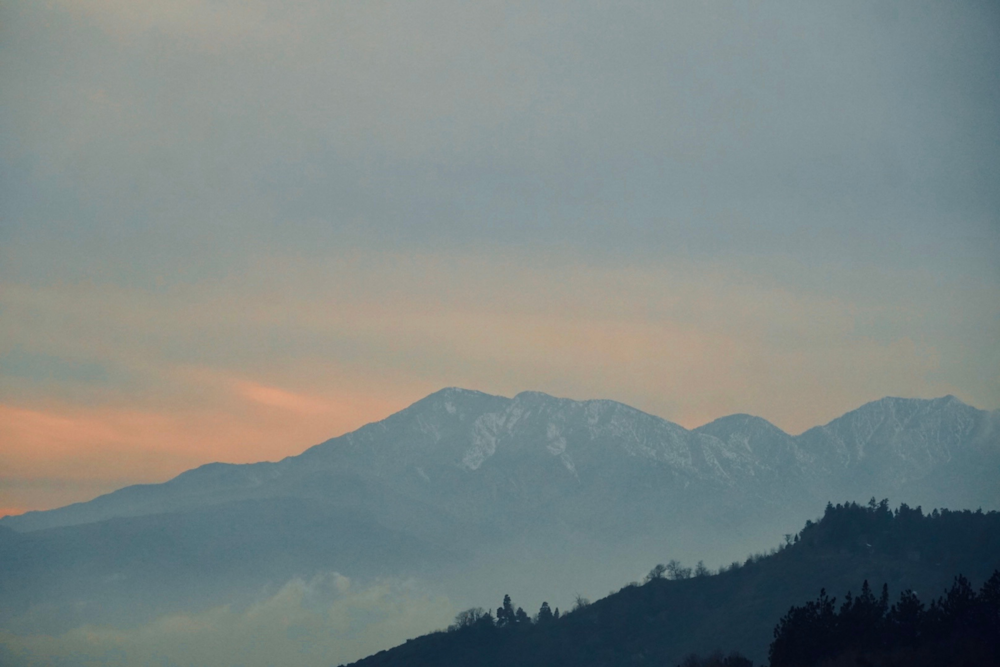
[(453, 448), (457, 448), (893, 442), (466, 491), (662, 621)]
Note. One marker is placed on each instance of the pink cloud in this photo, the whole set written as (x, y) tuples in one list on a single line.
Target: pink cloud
[(66, 453), (285, 400)]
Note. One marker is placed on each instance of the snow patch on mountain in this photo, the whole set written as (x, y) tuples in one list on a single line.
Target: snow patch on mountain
[(556, 444), (484, 440)]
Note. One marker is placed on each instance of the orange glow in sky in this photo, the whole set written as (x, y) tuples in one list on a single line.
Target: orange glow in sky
[(232, 230)]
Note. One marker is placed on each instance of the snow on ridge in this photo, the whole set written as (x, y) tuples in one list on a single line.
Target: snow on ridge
[(568, 424), (556, 444), (915, 435), (484, 440)]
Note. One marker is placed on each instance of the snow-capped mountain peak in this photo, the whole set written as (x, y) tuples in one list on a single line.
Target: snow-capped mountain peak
[(450, 446)]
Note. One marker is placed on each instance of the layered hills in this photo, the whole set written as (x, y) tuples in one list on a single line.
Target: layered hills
[(473, 493), (667, 618)]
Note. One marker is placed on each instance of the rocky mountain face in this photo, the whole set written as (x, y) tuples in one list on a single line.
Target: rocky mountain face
[(465, 482)]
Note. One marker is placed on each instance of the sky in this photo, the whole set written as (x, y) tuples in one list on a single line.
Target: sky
[(232, 230)]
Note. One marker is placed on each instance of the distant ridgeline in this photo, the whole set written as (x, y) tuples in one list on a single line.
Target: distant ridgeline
[(679, 613)]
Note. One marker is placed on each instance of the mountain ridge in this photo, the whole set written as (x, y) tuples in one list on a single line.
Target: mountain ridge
[(465, 492), (464, 428)]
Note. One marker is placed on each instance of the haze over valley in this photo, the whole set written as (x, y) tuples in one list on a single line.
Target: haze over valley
[(464, 494)]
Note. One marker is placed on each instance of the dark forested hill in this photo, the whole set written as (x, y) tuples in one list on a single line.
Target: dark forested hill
[(669, 617)]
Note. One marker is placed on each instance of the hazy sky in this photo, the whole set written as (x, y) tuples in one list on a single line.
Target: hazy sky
[(230, 230)]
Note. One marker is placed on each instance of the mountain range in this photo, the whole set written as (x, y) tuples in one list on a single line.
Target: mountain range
[(475, 493)]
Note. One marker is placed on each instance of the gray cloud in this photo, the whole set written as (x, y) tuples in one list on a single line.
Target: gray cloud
[(853, 130)]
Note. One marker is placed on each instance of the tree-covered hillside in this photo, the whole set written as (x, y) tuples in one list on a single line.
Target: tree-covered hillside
[(961, 628), (679, 611)]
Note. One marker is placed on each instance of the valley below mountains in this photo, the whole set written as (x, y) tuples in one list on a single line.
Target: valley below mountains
[(469, 494), (859, 559)]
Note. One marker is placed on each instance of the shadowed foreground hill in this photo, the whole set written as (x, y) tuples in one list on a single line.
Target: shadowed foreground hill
[(661, 622)]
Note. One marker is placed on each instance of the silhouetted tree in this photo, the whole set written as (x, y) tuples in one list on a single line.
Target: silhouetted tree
[(506, 615), (861, 619), (677, 571), (905, 621), (521, 617), (960, 628), (470, 617), (805, 634)]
